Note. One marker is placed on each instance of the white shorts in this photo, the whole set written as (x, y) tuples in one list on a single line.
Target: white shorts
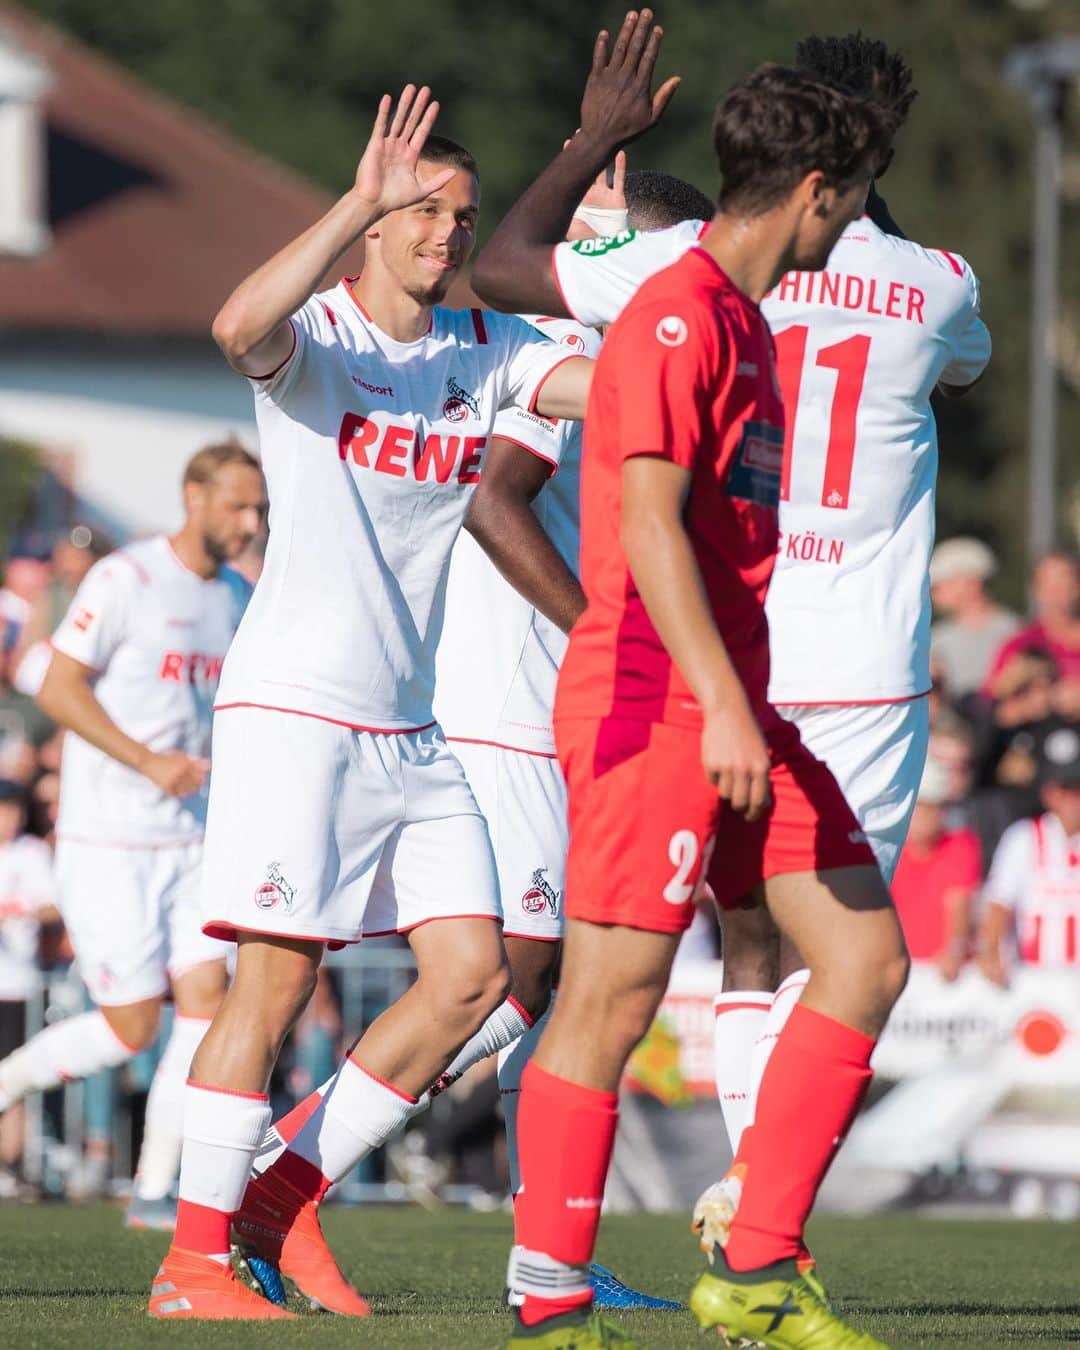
[(877, 753), (321, 832), (523, 798), (133, 916)]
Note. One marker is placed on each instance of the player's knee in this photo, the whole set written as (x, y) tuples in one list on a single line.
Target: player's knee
[(472, 993)]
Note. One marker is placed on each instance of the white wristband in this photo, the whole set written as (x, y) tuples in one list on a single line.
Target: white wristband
[(603, 220)]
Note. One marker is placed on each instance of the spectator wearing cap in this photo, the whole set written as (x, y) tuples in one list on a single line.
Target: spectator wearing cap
[(963, 644), (937, 879), (1031, 900), (27, 900), (1055, 630)]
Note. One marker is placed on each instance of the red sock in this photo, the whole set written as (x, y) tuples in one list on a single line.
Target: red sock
[(290, 1124), (201, 1229), (812, 1087), (565, 1136), (301, 1176)]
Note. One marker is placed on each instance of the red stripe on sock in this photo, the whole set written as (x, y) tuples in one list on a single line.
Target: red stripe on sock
[(810, 1092), (383, 1083), (526, 1017), (201, 1229), (228, 1092)]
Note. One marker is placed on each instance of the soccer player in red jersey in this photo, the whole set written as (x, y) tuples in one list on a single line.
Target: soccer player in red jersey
[(678, 769)]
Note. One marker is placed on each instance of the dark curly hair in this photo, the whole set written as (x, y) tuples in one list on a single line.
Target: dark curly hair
[(863, 67), (779, 124), (655, 200)]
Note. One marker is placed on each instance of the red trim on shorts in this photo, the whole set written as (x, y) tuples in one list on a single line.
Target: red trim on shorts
[(126, 847), (528, 937), (523, 1012), (749, 1005), (281, 364), (191, 1017), (500, 745), (382, 1082), (227, 1092), (226, 932), (574, 356), (952, 262), (435, 918), (851, 702), (513, 440), (478, 325), (559, 287), (334, 721)]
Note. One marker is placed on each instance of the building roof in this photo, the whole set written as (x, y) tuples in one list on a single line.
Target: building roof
[(155, 213)]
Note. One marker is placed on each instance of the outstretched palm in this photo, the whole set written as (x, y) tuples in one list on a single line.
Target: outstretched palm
[(387, 174), (619, 103)]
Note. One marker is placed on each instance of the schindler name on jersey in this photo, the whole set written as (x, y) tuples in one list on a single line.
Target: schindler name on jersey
[(886, 299)]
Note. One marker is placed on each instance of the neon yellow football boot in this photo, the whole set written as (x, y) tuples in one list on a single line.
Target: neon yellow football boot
[(774, 1307), (572, 1331)]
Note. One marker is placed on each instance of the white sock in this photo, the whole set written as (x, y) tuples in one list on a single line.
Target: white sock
[(358, 1113), (72, 1048), (222, 1130), (512, 1061), (739, 1021), (784, 1000), (274, 1144), (502, 1028), (163, 1127)]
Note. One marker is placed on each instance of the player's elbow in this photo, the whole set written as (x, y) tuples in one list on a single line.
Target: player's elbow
[(229, 332)]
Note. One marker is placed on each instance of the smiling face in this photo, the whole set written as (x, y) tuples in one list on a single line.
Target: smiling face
[(424, 246)]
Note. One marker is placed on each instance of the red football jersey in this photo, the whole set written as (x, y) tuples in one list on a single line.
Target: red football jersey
[(686, 374)]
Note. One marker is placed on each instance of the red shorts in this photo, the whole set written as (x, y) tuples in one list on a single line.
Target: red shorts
[(646, 825)]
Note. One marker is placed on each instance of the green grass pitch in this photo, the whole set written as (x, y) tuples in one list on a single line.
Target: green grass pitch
[(73, 1277)]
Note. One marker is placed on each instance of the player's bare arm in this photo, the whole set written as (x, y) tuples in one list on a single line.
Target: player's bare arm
[(994, 930), (565, 392), (514, 270), (252, 327), (68, 697), (500, 518), (665, 571)]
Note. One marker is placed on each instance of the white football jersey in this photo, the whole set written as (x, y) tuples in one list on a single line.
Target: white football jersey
[(157, 635), (26, 888), (371, 449), (1036, 874), (498, 659), (860, 348)]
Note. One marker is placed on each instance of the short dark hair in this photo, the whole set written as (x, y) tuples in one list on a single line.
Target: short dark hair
[(655, 200), (204, 463), (777, 125), (861, 66), (442, 150)]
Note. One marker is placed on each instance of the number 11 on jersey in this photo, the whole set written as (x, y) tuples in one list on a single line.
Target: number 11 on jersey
[(848, 359)]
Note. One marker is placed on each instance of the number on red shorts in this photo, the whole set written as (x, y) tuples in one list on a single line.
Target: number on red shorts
[(683, 853)]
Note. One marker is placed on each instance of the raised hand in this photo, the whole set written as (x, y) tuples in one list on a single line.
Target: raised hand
[(609, 196), (619, 104), (387, 175)]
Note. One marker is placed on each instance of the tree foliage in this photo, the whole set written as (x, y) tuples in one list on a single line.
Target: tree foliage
[(298, 79)]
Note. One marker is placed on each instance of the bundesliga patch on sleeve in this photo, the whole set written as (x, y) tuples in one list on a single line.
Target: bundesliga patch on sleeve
[(596, 248), (755, 468)]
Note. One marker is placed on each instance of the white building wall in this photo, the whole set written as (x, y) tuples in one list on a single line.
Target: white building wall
[(126, 420)]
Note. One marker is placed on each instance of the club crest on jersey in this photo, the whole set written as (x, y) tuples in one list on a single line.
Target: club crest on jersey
[(460, 403), (539, 894), (275, 890), (754, 475)]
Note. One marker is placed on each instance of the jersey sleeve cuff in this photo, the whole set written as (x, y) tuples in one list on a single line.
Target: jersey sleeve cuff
[(539, 454), (560, 288), (262, 379), (570, 356)]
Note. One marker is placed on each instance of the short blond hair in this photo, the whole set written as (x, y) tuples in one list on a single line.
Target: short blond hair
[(205, 463)]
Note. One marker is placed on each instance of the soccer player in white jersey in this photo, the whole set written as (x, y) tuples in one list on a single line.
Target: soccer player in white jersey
[(134, 668), (861, 347), (337, 810)]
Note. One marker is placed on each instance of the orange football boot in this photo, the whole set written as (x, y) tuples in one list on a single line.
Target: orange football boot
[(189, 1284), (275, 1224)]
